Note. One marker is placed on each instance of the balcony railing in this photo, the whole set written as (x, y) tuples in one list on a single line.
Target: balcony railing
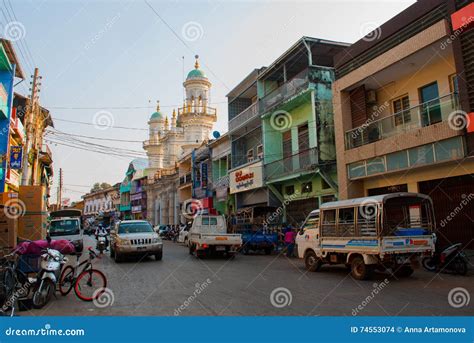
[(302, 161), (197, 109), (244, 116), (285, 91), (185, 179), (428, 113)]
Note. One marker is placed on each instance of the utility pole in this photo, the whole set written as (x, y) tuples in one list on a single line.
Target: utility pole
[(29, 126), (60, 193)]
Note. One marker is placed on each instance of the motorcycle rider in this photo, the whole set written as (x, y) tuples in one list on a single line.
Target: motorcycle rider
[(101, 231)]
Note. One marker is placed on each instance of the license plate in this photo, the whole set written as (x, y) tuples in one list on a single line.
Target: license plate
[(141, 248), (220, 248)]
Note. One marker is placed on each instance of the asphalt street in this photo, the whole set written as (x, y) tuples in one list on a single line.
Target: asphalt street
[(258, 285)]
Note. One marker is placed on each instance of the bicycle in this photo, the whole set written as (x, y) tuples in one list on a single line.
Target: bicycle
[(88, 285)]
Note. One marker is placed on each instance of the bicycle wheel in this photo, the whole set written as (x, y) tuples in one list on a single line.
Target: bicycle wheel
[(90, 284), (66, 280), (7, 289)]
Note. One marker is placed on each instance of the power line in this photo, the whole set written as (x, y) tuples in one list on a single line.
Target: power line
[(97, 138), (121, 107), (100, 125)]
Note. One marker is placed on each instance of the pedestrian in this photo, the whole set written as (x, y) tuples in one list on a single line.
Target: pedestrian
[(290, 237)]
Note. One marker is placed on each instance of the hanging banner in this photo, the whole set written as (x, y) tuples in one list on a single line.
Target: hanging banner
[(16, 152), (203, 175)]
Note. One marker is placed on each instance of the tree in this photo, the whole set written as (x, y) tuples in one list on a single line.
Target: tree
[(100, 186)]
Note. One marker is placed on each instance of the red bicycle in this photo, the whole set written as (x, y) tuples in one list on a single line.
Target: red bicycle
[(88, 285)]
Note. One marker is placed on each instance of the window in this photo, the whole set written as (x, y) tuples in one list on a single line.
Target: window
[(346, 223), (356, 170), (324, 184), (209, 221), (329, 223), (401, 109), (449, 149), (250, 155), (421, 155), (375, 165), (260, 151), (397, 160), (453, 83), (289, 190), (307, 187), (367, 219)]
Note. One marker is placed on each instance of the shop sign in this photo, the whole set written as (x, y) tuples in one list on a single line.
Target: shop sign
[(247, 178), (16, 152)]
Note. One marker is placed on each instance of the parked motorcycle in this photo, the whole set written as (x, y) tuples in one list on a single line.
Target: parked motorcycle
[(51, 265), (450, 259)]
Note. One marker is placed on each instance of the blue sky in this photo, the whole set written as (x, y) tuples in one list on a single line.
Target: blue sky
[(106, 54)]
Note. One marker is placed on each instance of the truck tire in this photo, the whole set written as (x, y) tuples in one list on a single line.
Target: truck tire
[(159, 256), (268, 250), (360, 270), (311, 261), (191, 249), (117, 257)]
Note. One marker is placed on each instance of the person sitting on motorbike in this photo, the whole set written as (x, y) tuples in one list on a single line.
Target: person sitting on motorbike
[(101, 231)]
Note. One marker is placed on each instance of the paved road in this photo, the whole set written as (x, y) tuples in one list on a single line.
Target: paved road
[(181, 284)]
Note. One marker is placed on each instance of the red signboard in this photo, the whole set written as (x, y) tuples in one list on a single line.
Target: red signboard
[(464, 18)]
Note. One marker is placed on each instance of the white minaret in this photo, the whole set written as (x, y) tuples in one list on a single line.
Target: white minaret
[(196, 117), (153, 147)]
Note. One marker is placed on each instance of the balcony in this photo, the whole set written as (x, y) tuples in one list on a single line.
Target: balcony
[(46, 156), (190, 111), (185, 179), (419, 116), (148, 142), (300, 162), (286, 91), (244, 116)]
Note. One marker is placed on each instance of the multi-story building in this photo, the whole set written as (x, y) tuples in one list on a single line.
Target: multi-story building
[(401, 103), (102, 204), (201, 176), (246, 186), (295, 104), (136, 169), (190, 127), (10, 125), (138, 196), (223, 202)]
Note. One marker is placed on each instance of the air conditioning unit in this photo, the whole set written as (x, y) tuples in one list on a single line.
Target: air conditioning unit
[(371, 97)]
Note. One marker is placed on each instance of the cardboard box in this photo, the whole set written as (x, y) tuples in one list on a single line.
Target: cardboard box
[(32, 226), (34, 198), (8, 232)]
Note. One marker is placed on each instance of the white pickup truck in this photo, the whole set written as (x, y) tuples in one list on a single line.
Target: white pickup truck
[(208, 235)]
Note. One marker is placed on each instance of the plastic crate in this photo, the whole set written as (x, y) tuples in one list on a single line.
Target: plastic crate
[(29, 263)]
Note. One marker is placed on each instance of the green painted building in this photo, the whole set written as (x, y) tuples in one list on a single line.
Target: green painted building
[(295, 105)]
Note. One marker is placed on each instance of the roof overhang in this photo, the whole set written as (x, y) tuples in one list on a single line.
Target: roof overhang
[(10, 51)]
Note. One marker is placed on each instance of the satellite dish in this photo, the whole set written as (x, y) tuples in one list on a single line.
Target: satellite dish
[(216, 134)]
